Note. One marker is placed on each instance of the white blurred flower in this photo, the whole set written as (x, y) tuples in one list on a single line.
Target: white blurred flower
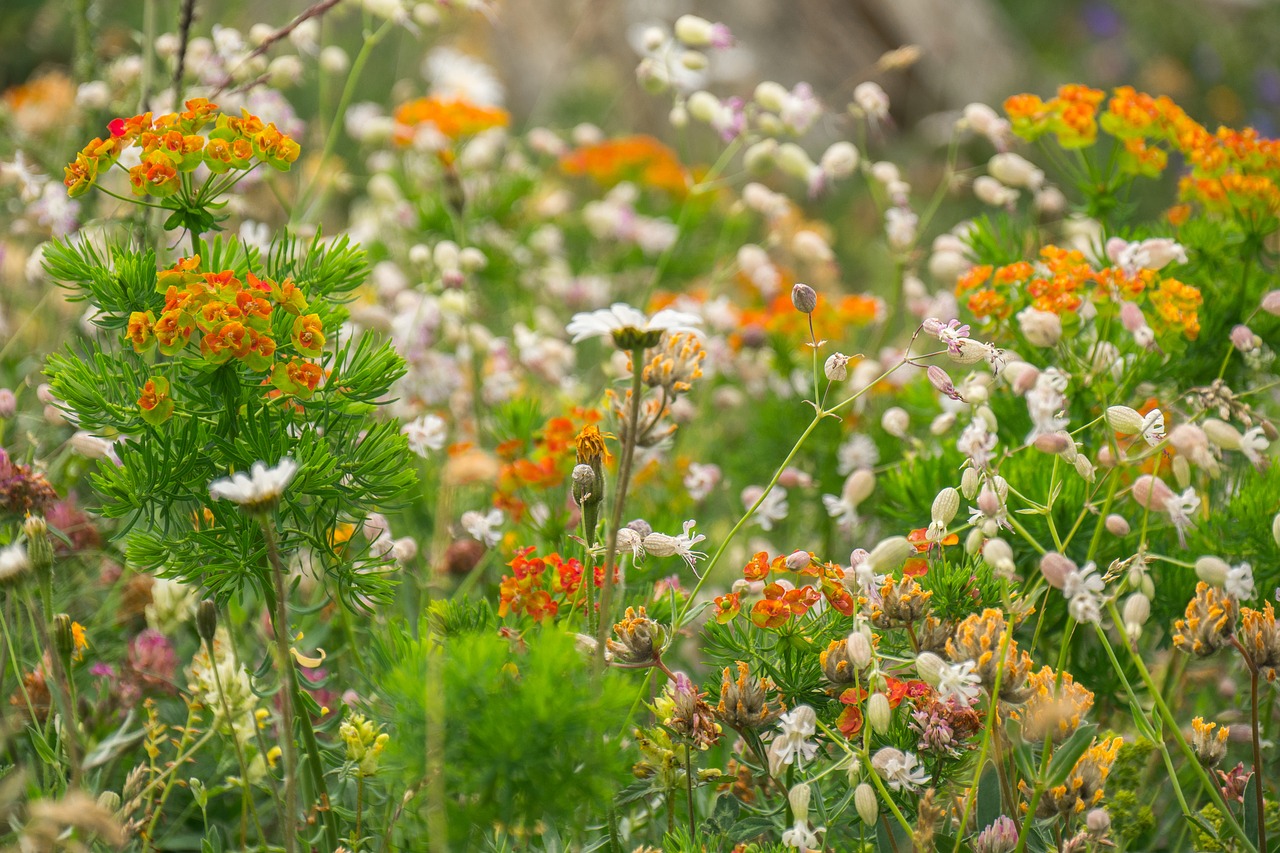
[(259, 489), (426, 434), (483, 527)]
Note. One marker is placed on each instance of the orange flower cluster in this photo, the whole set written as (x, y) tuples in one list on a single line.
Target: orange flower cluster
[(534, 591), (172, 145), (547, 464), (234, 319), (1062, 279), (783, 599), (1071, 116), (832, 321), (452, 118), (640, 159)]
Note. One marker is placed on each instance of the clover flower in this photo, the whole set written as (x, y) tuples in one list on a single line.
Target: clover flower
[(1209, 741), (259, 490), (630, 328), (1053, 710)]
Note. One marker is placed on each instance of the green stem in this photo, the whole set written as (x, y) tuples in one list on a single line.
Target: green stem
[(284, 660), (629, 438)]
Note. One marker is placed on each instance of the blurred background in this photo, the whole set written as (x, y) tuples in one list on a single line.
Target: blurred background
[(562, 60)]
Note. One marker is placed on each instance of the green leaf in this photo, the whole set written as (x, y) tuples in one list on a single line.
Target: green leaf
[(990, 804), (1251, 810), (1068, 754)]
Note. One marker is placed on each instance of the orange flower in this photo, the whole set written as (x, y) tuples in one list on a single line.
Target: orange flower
[(452, 118), (640, 159), (770, 613)]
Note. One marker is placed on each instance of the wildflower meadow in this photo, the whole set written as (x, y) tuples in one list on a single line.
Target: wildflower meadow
[(763, 468)]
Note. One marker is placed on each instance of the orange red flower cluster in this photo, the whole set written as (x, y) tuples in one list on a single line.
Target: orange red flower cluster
[(1062, 279), (452, 118), (783, 599), (172, 145), (851, 718), (639, 159), (539, 586), (545, 465), (234, 320), (1231, 171)]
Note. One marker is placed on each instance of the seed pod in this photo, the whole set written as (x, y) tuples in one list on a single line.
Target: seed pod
[(889, 554), (836, 367), (930, 667), (970, 482)]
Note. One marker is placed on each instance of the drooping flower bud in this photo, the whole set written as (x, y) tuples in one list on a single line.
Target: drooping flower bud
[(1117, 525), (858, 646), (945, 505), (889, 554), (896, 421), (879, 714), (207, 620), (868, 806), (804, 298), (1212, 570)]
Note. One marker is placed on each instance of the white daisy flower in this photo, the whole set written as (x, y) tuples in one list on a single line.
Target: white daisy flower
[(260, 489), (426, 434), (620, 318)]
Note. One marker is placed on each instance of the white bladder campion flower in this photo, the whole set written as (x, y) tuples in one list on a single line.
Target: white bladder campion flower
[(426, 434), (258, 490), (1128, 421), (629, 327), (797, 725), (680, 545), (483, 526), (900, 770)]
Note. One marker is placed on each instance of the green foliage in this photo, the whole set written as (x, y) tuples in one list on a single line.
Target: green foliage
[(528, 734)]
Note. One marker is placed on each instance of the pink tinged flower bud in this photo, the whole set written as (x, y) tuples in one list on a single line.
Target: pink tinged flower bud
[(973, 542), (858, 486), (1243, 339), (804, 298), (989, 502), (836, 367), (1131, 317), (1041, 328), (1117, 525), (792, 478), (998, 554), (798, 560), (694, 31), (1212, 570), (864, 800), (939, 379), (1055, 567), (8, 403), (1015, 170), (1021, 376), (1151, 493), (1053, 443), (879, 714), (1271, 302)]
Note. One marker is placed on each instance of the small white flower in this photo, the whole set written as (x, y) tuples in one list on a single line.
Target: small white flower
[(900, 770), (700, 479), (681, 545), (259, 489), (13, 562), (426, 434), (620, 317), (1239, 582), (959, 680), (797, 726), (1253, 444), (483, 526), (1083, 588), (772, 509), (1181, 509), (857, 451)]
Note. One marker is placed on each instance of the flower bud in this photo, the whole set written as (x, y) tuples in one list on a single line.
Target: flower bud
[(970, 482), (761, 156), (1055, 567), (1212, 570), (858, 646), (39, 548), (945, 505), (804, 298), (793, 160), (973, 542), (896, 421), (694, 31), (1054, 442), (1041, 328), (1181, 471), (889, 554), (771, 95), (1275, 528), (207, 620), (8, 403), (839, 160), (1098, 821), (798, 797), (64, 640), (1271, 302), (798, 560), (703, 106), (836, 367), (864, 799), (1117, 525), (1137, 609), (999, 555), (930, 667), (584, 484), (879, 714), (1124, 420), (859, 486), (1222, 434)]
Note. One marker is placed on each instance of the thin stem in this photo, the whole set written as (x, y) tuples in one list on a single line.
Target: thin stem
[(629, 438), (1257, 744), (240, 759), (284, 660), (688, 778)]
